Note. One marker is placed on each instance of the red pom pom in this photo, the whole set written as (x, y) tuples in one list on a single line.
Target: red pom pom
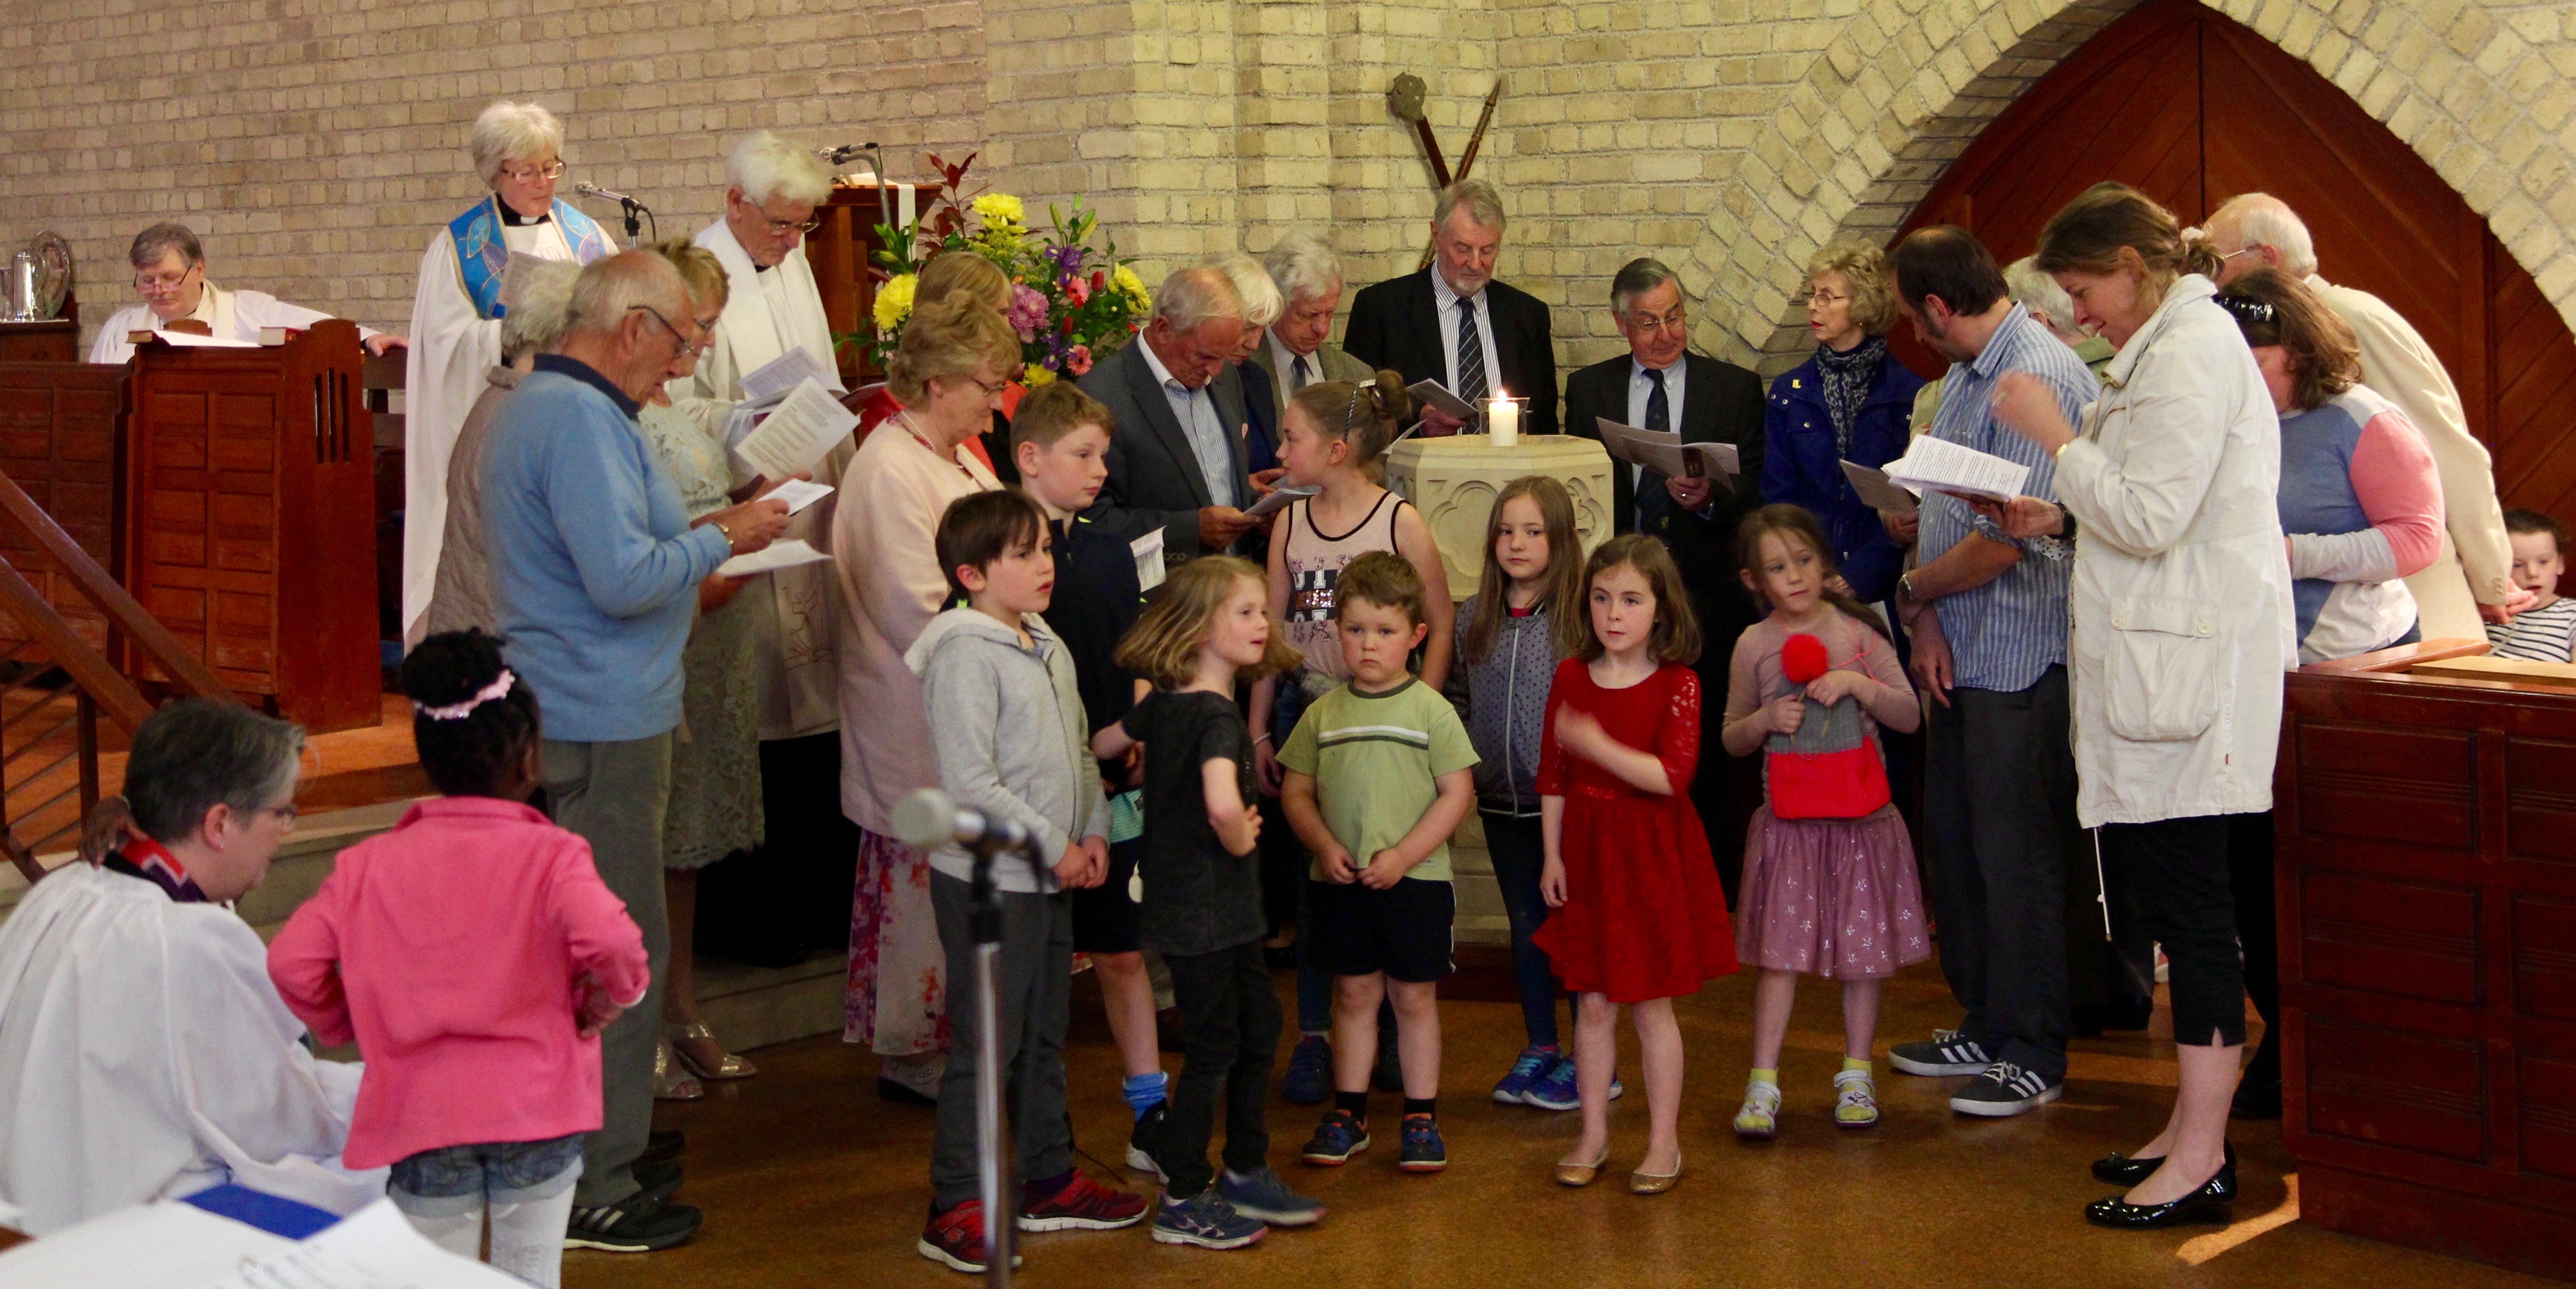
[(1803, 657)]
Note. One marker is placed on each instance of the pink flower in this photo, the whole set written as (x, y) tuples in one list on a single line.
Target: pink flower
[(1079, 290), (1028, 312), (1078, 360)]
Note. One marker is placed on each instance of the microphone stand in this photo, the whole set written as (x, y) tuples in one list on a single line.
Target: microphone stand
[(984, 924)]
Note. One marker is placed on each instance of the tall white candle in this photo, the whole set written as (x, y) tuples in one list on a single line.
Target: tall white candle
[(1503, 421)]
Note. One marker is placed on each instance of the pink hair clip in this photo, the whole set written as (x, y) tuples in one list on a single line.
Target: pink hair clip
[(459, 711)]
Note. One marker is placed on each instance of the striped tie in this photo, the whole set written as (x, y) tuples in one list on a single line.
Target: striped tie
[(1471, 354)]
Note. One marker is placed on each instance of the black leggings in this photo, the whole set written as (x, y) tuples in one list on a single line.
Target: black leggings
[(2178, 871)]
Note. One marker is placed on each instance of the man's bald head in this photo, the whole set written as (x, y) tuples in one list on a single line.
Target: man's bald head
[(2258, 230), (609, 289)]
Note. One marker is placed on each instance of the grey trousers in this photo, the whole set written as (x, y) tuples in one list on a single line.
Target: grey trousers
[(615, 796), (1036, 1002), (2000, 833)]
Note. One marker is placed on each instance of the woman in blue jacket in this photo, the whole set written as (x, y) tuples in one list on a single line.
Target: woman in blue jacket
[(1850, 401)]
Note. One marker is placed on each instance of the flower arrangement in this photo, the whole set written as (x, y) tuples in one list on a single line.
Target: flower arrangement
[(1072, 304)]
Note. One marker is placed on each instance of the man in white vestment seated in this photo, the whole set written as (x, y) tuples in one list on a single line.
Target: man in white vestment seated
[(170, 272), (456, 314), (143, 1052)]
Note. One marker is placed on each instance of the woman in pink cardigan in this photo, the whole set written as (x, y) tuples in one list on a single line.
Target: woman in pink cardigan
[(474, 955), (950, 373)]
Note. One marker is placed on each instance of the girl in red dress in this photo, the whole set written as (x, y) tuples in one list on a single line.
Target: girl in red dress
[(1640, 917)]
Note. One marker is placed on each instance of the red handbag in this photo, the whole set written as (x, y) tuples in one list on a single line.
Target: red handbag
[(1830, 768)]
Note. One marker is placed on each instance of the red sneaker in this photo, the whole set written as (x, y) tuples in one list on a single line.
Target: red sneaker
[(956, 1237), (1082, 1205)]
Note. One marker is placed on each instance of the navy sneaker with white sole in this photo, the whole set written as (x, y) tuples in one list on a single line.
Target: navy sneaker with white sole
[(1206, 1221), (2004, 1089), (1947, 1054)]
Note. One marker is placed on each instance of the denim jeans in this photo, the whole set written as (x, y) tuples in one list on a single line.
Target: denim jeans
[(1520, 854)]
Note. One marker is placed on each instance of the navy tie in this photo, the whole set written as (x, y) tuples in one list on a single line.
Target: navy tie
[(1654, 504), (1471, 355)]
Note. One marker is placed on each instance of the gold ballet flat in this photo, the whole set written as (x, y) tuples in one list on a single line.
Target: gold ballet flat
[(1582, 1174), (1655, 1183), (727, 1066)]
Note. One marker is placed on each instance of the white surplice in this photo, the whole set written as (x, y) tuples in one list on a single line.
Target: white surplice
[(452, 347), (230, 315), (144, 1055), (792, 610)]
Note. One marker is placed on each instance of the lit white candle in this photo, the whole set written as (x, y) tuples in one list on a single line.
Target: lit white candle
[(1503, 421)]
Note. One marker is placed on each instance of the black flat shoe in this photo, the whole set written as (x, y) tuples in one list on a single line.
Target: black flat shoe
[(898, 1094), (2208, 1204), (2116, 1169)]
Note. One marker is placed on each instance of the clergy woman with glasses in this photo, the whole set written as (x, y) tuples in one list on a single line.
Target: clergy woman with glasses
[(456, 313)]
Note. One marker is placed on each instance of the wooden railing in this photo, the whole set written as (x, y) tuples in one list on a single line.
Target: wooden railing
[(53, 683)]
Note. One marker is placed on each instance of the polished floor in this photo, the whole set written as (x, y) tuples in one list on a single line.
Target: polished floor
[(807, 1179)]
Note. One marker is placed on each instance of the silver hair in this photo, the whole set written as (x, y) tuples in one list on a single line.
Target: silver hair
[(507, 131), (768, 168), (1304, 266), (2037, 290), (1484, 205), (196, 754), (1193, 297), (1637, 277), (545, 303), (1262, 302), (2265, 220), (161, 239), (609, 289)]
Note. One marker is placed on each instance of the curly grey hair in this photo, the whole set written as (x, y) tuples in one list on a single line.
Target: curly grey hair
[(508, 131)]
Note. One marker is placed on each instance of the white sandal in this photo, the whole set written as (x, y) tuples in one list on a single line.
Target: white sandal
[(1855, 1100), (1759, 1120)]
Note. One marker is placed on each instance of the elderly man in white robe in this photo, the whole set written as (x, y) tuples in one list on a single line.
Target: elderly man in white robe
[(170, 273), (143, 1053), (456, 314)]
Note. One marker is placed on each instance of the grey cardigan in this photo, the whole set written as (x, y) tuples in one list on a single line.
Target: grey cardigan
[(1008, 731), (1503, 701)]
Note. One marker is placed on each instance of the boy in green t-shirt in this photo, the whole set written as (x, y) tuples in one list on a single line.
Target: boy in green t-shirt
[(1378, 777)]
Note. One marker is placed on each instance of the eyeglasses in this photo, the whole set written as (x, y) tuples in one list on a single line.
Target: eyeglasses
[(551, 170), (990, 389), (782, 227), (156, 283), (1821, 296), (1647, 322), (685, 346)]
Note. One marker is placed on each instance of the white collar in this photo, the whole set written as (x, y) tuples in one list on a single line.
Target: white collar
[(1287, 360), (1637, 369)]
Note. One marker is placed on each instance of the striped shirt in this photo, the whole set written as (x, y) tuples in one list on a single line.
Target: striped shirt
[(2005, 634), (2539, 635)]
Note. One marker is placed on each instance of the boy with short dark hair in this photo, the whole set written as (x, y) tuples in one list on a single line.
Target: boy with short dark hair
[(2545, 632), (1008, 731), (1378, 777)]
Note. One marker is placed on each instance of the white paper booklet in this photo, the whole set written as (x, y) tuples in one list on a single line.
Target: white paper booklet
[(1663, 452), (1938, 465), (786, 552), (191, 340), (799, 493), (807, 424), (1433, 393), (515, 276), (375, 1248), (1875, 489), (783, 374), (1280, 498), (1148, 551)]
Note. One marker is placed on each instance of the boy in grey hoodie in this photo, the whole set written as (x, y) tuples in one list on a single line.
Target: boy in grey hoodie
[(1008, 731)]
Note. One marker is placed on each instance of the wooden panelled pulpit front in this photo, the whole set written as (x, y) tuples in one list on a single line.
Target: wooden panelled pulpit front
[(60, 424), (250, 519)]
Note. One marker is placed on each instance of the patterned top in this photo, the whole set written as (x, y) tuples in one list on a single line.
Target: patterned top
[(2538, 635), (1315, 563)]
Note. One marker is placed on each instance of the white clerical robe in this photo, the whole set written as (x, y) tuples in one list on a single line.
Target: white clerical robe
[(230, 315), (144, 1055), (452, 347), (792, 610)]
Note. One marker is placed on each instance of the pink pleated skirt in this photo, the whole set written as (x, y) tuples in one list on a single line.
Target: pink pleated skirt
[(1835, 898)]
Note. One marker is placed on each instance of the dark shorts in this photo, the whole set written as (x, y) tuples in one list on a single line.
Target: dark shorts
[(1404, 932), (1104, 919)]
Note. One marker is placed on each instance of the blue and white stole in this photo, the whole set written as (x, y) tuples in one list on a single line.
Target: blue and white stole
[(482, 253)]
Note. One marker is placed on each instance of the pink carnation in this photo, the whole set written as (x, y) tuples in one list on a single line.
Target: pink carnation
[(1028, 311), (1079, 290), (1078, 360)]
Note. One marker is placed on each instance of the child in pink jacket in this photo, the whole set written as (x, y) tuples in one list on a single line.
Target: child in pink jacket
[(474, 955)]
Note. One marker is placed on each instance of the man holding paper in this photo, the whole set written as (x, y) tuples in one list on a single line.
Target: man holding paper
[(1988, 617), (1177, 463), (1455, 324)]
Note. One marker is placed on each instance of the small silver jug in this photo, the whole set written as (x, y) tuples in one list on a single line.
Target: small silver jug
[(21, 283)]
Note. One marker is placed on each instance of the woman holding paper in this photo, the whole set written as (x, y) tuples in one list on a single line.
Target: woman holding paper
[(2182, 629), (950, 372), (1849, 402)]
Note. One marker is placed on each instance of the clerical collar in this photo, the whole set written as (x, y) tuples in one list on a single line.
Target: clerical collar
[(586, 374), (516, 220), (150, 860)]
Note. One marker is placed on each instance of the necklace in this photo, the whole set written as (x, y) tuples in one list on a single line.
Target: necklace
[(950, 456)]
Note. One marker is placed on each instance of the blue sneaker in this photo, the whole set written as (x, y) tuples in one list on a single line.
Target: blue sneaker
[(1336, 1139), (1556, 1091), (1207, 1221), (1310, 1072), (1264, 1198), (1423, 1150), (1532, 1066)]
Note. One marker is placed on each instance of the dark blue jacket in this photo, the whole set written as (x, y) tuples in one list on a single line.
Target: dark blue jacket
[(1801, 467)]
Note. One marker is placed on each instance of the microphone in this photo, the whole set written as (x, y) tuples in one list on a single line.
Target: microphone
[(929, 818), (587, 189), (634, 226), (834, 156)]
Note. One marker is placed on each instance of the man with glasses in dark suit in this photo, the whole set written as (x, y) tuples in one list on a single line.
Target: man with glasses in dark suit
[(1453, 323)]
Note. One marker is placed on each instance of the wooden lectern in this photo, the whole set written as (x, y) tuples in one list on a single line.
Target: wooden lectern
[(250, 519), (2426, 812)]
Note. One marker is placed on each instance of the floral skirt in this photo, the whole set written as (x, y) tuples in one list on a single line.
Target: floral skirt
[(896, 1000), (1834, 898)]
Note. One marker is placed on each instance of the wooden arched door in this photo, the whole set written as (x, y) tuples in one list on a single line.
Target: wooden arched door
[(2193, 108)]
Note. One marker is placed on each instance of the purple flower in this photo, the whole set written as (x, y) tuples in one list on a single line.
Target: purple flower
[(1028, 312), (1067, 258)]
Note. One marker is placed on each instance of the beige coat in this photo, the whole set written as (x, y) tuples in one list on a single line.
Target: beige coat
[(886, 563), (2476, 563)]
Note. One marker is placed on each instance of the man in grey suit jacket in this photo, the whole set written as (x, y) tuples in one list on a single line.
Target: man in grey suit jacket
[(1176, 459), (1296, 351)]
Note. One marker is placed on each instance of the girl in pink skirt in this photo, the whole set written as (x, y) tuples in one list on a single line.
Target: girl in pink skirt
[(1829, 884)]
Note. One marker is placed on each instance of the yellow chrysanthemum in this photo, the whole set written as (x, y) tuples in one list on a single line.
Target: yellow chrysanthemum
[(1036, 376), (894, 302), (1132, 286), (1000, 208)]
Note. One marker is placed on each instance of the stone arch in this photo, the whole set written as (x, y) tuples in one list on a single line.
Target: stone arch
[(1907, 85)]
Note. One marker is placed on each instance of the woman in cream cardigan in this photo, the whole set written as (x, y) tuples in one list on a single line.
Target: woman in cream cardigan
[(950, 372), (2182, 629)]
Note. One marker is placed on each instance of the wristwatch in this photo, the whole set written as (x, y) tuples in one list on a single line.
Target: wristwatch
[(1905, 585)]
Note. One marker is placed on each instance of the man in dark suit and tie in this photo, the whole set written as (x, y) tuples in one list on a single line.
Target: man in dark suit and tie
[(1660, 385), (1455, 324), (1176, 458)]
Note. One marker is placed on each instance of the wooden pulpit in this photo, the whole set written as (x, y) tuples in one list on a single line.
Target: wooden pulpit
[(840, 252), (61, 440), (250, 519)]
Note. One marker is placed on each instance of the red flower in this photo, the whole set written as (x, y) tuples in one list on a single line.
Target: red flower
[(1803, 658), (1099, 280), (1078, 360)]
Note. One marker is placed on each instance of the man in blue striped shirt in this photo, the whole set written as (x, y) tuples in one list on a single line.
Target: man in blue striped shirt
[(1999, 820)]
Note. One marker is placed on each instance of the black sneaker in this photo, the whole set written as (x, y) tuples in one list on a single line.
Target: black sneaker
[(1947, 1053), (632, 1225), (2004, 1090)]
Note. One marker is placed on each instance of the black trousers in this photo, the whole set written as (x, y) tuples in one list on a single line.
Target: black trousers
[(2180, 871), (2000, 835), (1034, 993), (2249, 878), (1229, 1035)]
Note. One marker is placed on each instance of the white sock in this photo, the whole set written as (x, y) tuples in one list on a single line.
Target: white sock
[(458, 1233), (528, 1239)]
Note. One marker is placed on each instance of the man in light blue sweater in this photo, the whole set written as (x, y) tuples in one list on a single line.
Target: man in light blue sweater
[(595, 573)]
